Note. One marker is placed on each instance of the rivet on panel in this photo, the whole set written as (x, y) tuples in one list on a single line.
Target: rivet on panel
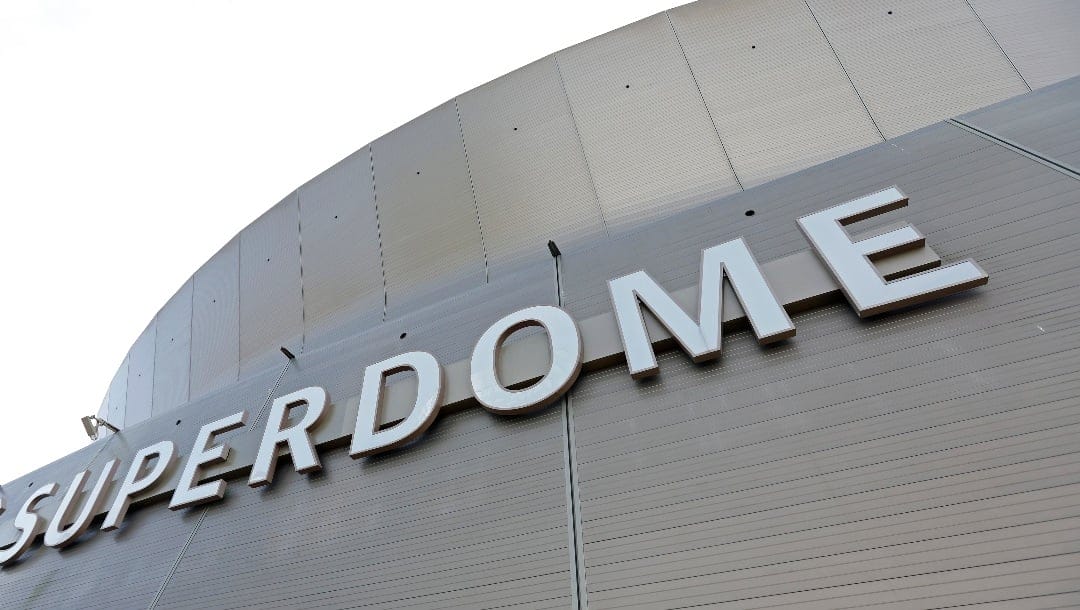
[(403, 335), (749, 212)]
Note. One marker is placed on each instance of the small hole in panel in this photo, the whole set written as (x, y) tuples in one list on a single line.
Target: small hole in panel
[(403, 335), (268, 260), (335, 217), (417, 172), (515, 129), (178, 422), (890, 12), (753, 46), (749, 212), (628, 86), (31, 484)]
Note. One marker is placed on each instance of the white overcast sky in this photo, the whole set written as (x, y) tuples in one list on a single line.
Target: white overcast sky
[(136, 138)]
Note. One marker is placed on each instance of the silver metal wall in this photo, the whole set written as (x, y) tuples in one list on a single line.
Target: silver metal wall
[(689, 105), (920, 459), (924, 458)]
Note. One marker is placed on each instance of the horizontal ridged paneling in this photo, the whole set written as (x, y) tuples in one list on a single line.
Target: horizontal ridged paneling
[(1039, 36), (474, 516), (172, 354), (911, 459), (430, 234), (1045, 122), (780, 99), (531, 180), (215, 321), (647, 135), (103, 570), (342, 264), (917, 61)]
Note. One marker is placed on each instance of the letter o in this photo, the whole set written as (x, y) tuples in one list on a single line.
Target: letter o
[(565, 342)]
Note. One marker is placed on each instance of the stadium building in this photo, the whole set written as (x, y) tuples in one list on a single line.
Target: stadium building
[(487, 346)]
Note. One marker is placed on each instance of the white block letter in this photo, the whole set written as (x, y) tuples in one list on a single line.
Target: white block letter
[(565, 343), (56, 535), (850, 262), (165, 452), (28, 522), (297, 437), (701, 340), (188, 491), (367, 438)]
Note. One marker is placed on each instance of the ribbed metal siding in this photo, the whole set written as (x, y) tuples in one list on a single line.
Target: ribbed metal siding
[(172, 354), (924, 458), (926, 61), (647, 135), (1040, 37), (271, 308), (215, 321), (472, 517), (1045, 122), (530, 176), (120, 570), (140, 379), (342, 264), (430, 233), (780, 99)]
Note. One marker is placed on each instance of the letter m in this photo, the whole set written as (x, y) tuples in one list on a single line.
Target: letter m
[(700, 339)]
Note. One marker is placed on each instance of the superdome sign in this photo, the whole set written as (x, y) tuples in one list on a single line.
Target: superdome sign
[(876, 273)]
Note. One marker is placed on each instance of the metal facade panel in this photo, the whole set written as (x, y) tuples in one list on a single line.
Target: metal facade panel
[(779, 98), (916, 62), (1038, 36), (271, 305), (341, 259), (118, 395), (473, 516), (923, 458), (140, 379), (1045, 122), (103, 570), (431, 237), (172, 354), (647, 135), (215, 321), (530, 176)]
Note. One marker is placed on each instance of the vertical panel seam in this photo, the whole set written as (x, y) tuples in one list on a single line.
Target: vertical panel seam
[(191, 336), (844, 69), (176, 562), (378, 228), (270, 395), (153, 364), (239, 305), (704, 104), (300, 254), (472, 188), (581, 146), (579, 593), (127, 382), (1000, 48)]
